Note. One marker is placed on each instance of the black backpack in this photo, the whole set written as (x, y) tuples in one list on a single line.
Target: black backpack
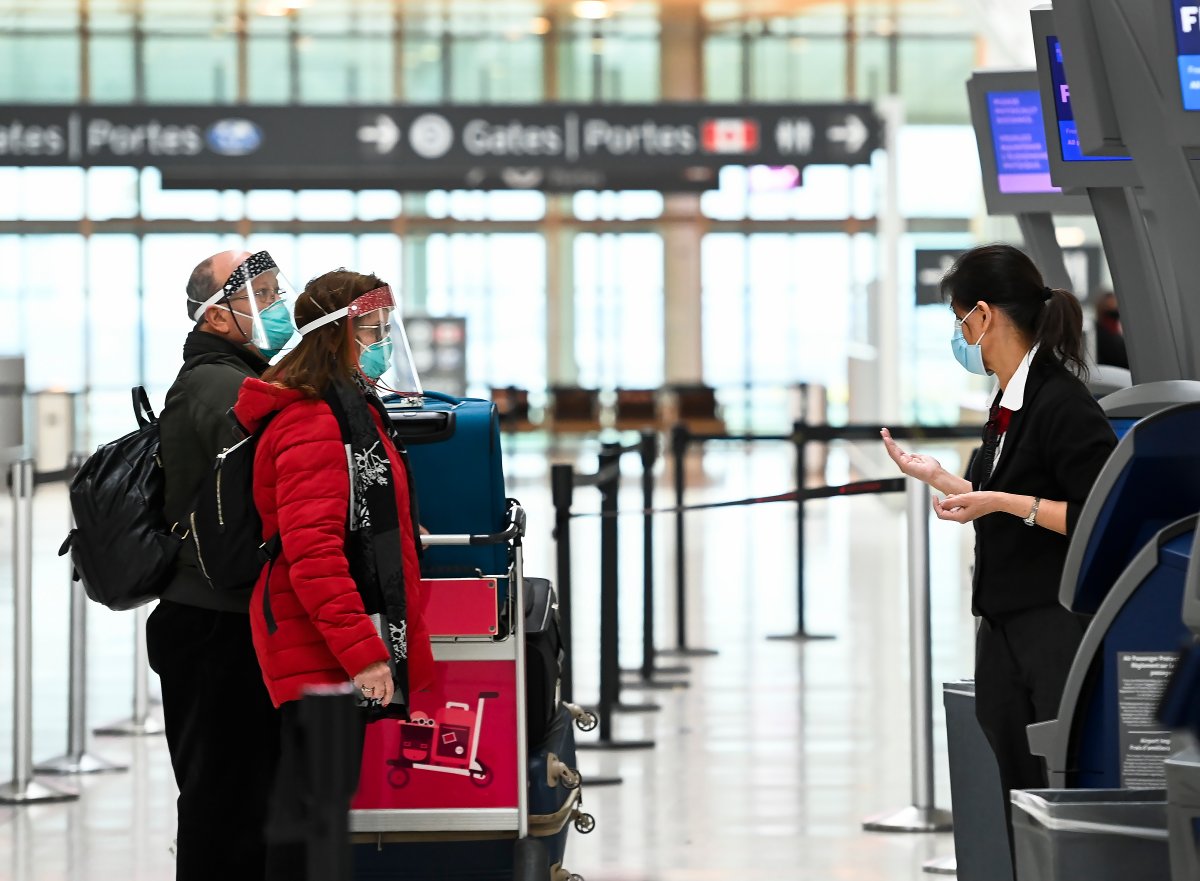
[(122, 548), (225, 527)]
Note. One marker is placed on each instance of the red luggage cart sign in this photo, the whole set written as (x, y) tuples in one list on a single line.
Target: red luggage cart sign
[(458, 749), (461, 607)]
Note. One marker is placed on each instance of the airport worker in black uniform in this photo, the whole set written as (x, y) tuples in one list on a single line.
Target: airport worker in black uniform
[(1044, 444)]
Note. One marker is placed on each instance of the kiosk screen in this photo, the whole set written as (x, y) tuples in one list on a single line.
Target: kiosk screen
[(1068, 134), (1019, 140), (1187, 49)]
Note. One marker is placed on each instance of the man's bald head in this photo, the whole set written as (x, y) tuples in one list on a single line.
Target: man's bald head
[(209, 275)]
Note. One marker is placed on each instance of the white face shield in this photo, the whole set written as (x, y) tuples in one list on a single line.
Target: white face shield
[(257, 293), (379, 339), (405, 380)]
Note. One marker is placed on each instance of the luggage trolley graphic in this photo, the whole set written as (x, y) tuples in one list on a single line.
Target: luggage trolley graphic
[(417, 802), (448, 743)]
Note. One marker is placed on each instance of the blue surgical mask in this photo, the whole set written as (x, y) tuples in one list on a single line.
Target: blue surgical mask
[(968, 355), (375, 359), (278, 327)]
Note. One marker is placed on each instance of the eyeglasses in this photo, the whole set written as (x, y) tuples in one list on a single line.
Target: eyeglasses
[(958, 322), (262, 298)]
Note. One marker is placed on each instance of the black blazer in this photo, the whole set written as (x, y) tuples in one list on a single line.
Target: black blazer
[(1054, 448)]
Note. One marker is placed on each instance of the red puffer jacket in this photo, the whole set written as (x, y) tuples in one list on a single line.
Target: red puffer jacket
[(302, 490)]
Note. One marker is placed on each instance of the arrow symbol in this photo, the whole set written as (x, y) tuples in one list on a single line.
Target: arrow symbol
[(384, 134), (852, 135)]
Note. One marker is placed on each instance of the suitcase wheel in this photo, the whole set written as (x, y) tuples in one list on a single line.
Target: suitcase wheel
[(571, 779), (584, 719), (561, 874), (584, 822)]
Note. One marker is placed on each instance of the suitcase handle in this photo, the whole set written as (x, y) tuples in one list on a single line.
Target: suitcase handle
[(450, 399), (454, 705), (423, 426)]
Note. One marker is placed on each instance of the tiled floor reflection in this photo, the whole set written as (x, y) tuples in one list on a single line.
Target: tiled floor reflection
[(764, 767)]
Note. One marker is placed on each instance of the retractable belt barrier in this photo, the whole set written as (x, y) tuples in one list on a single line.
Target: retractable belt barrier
[(921, 815), (856, 488), (801, 436)]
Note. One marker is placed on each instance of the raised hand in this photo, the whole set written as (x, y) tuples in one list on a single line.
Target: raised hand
[(923, 468)]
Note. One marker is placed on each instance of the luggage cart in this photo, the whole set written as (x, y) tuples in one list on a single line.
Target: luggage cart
[(450, 786)]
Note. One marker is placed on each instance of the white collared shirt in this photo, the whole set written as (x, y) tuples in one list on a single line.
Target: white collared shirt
[(1014, 396)]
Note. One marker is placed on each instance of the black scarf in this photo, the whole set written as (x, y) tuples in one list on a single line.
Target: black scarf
[(373, 537)]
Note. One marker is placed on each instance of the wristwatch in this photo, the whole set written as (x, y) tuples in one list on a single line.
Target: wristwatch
[(1031, 520)]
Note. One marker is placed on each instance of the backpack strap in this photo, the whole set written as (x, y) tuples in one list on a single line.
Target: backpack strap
[(142, 411), (268, 615)]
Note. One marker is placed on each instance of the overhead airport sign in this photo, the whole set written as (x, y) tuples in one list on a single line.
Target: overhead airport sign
[(343, 145)]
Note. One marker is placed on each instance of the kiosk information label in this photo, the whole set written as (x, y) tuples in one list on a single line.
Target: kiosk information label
[(1187, 49), (1019, 138), (1068, 133), (1144, 743)]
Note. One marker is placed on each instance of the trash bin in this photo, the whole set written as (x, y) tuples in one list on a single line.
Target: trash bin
[(980, 838), (1183, 812), (1097, 834)]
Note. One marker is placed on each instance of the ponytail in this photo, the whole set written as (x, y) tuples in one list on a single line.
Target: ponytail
[(1060, 331)]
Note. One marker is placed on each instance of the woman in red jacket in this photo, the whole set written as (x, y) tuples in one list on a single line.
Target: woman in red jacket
[(330, 479)]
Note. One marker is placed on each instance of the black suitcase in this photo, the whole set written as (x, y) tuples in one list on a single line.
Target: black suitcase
[(544, 654)]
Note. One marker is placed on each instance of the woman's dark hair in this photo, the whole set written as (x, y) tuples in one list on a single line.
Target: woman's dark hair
[(1004, 277), (328, 353)]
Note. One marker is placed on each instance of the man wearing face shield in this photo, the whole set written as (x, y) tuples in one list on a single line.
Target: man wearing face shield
[(221, 728)]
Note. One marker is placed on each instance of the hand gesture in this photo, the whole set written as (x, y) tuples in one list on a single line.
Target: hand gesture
[(965, 507), (923, 468), (375, 683)]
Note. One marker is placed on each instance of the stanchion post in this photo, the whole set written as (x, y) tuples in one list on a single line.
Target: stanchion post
[(800, 444), (23, 789), (610, 669), (648, 452), (562, 491), (77, 760), (680, 440), (142, 723), (679, 446), (921, 815)]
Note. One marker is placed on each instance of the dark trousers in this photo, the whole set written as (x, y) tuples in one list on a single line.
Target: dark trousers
[(1021, 667), (290, 826), (223, 734)]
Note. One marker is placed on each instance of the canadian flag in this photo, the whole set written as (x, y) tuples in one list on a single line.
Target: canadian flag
[(729, 136)]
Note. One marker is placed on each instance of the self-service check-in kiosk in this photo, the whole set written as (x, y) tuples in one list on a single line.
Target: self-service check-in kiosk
[(1181, 710), (1125, 568), (1112, 186), (1006, 114), (1017, 157)]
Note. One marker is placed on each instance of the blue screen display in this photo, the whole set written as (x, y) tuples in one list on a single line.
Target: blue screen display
[(1019, 140), (1068, 134), (1187, 49)]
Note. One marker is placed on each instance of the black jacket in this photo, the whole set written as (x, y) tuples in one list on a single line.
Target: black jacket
[(194, 428), (1055, 447)]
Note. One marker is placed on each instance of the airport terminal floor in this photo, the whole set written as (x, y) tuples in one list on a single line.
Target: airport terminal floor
[(763, 769)]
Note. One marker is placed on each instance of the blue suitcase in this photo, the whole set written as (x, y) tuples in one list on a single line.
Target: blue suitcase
[(454, 452), (553, 810)]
